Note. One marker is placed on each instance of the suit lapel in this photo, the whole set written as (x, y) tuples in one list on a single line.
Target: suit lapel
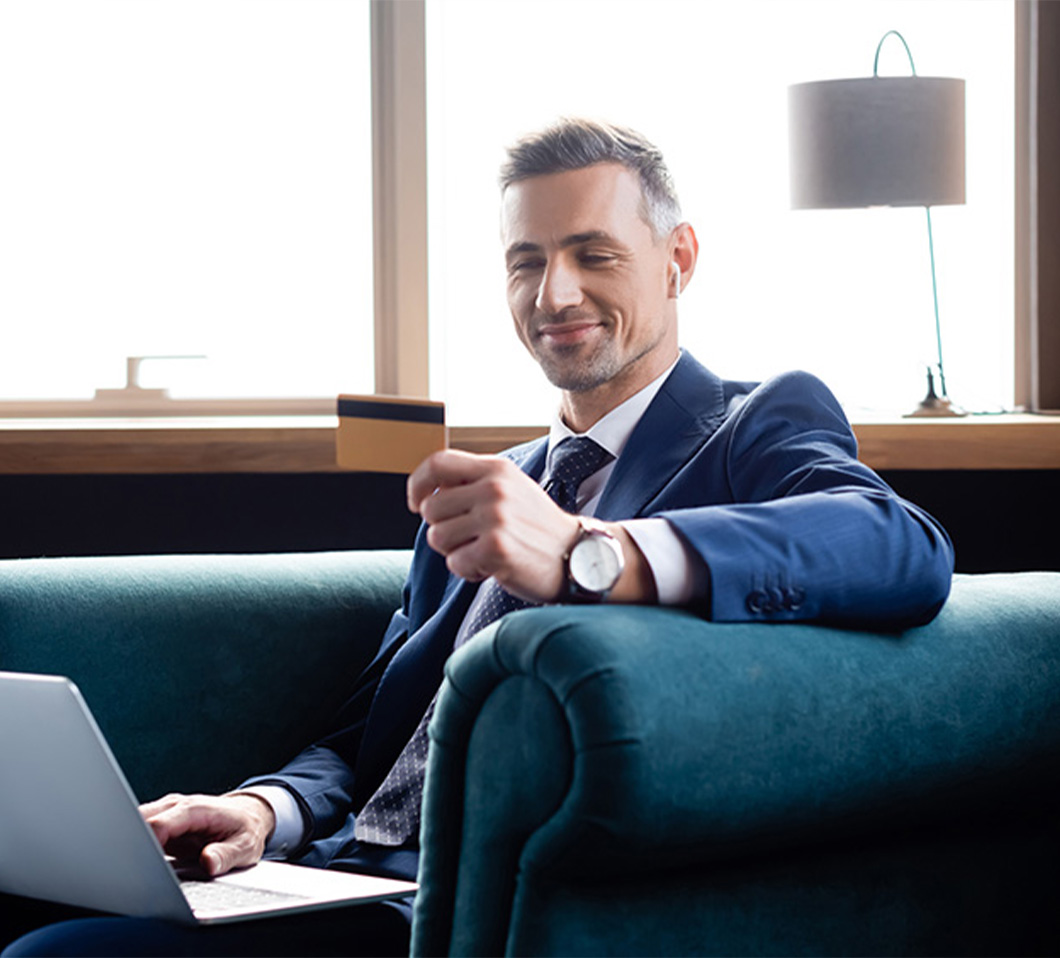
[(406, 689), (530, 456), (415, 672), (688, 408)]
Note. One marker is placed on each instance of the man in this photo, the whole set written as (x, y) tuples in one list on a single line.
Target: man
[(743, 502)]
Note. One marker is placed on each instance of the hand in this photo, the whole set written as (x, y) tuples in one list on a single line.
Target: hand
[(488, 518), (219, 832)]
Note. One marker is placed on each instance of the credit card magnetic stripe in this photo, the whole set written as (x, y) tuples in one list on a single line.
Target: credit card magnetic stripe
[(399, 412)]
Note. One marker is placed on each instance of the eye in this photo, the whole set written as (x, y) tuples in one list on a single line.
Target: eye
[(525, 265), (590, 258)]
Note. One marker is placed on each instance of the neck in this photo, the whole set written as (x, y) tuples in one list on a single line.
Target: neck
[(582, 410)]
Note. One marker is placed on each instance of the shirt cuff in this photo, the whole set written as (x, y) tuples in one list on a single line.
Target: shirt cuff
[(290, 826), (680, 573)]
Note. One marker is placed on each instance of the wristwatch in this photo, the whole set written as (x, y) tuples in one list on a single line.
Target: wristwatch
[(594, 563)]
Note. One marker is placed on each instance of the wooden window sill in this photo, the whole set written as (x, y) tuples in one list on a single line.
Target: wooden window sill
[(307, 444)]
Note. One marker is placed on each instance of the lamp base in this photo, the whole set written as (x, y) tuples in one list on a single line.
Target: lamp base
[(932, 405)]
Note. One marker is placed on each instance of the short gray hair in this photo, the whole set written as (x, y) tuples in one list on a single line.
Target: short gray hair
[(573, 144)]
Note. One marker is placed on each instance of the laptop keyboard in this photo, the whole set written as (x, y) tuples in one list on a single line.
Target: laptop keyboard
[(219, 896)]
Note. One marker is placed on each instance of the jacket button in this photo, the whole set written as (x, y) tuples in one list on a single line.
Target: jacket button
[(758, 602), (794, 599)]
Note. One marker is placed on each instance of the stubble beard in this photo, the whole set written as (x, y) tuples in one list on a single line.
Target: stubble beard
[(573, 368), (574, 373), (567, 369)]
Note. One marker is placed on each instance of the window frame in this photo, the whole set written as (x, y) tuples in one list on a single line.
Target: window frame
[(1037, 148), (399, 171)]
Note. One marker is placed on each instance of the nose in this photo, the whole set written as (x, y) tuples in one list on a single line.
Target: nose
[(559, 289)]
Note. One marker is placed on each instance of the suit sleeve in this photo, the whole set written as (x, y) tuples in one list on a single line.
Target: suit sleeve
[(808, 532)]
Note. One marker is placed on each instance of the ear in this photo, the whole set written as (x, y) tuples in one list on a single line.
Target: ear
[(684, 251)]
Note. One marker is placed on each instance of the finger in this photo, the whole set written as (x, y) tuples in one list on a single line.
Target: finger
[(240, 851), (450, 467), (172, 824), (487, 554), (159, 805), (446, 504), (192, 822), (447, 537)]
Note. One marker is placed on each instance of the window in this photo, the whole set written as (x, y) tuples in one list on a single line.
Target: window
[(185, 177), (194, 177), (845, 294)]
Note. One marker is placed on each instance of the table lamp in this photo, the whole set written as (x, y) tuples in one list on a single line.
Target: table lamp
[(881, 141)]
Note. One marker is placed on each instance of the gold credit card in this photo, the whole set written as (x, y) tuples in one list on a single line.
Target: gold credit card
[(387, 434)]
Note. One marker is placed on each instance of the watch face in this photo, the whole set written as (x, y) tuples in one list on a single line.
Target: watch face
[(596, 564)]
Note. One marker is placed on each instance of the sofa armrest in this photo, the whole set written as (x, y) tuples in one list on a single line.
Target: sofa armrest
[(604, 742), (201, 670)]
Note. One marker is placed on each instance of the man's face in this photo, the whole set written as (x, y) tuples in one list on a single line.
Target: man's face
[(588, 283)]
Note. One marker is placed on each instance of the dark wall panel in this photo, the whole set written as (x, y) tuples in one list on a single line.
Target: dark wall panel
[(999, 520), (127, 515)]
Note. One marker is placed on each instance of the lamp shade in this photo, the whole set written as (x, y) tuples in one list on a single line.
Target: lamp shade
[(876, 141)]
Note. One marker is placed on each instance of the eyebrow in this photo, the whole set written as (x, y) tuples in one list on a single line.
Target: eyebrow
[(575, 239)]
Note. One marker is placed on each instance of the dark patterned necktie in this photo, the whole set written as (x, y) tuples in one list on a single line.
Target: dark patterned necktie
[(392, 814)]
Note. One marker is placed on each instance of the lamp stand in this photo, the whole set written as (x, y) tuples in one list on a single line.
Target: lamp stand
[(933, 404)]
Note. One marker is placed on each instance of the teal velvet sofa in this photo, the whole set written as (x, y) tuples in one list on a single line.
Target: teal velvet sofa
[(621, 781)]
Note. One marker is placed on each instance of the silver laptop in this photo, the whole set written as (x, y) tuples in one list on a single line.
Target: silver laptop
[(71, 831)]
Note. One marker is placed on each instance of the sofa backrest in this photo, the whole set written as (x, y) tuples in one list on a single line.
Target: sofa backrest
[(201, 670)]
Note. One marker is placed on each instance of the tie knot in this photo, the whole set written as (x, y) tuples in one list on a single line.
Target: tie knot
[(573, 460)]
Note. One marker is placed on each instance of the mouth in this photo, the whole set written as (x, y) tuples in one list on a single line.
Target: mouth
[(571, 333)]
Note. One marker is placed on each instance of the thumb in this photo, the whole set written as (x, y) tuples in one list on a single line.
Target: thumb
[(218, 858)]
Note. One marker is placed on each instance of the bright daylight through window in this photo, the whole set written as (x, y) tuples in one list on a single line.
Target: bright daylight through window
[(185, 177), (194, 178), (845, 294)]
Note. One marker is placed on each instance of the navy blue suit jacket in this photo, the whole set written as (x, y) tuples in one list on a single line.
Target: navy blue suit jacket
[(761, 481)]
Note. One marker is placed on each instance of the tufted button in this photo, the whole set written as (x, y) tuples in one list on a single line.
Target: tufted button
[(758, 602)]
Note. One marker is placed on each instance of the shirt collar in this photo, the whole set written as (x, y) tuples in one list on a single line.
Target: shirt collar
[(613, 430)]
